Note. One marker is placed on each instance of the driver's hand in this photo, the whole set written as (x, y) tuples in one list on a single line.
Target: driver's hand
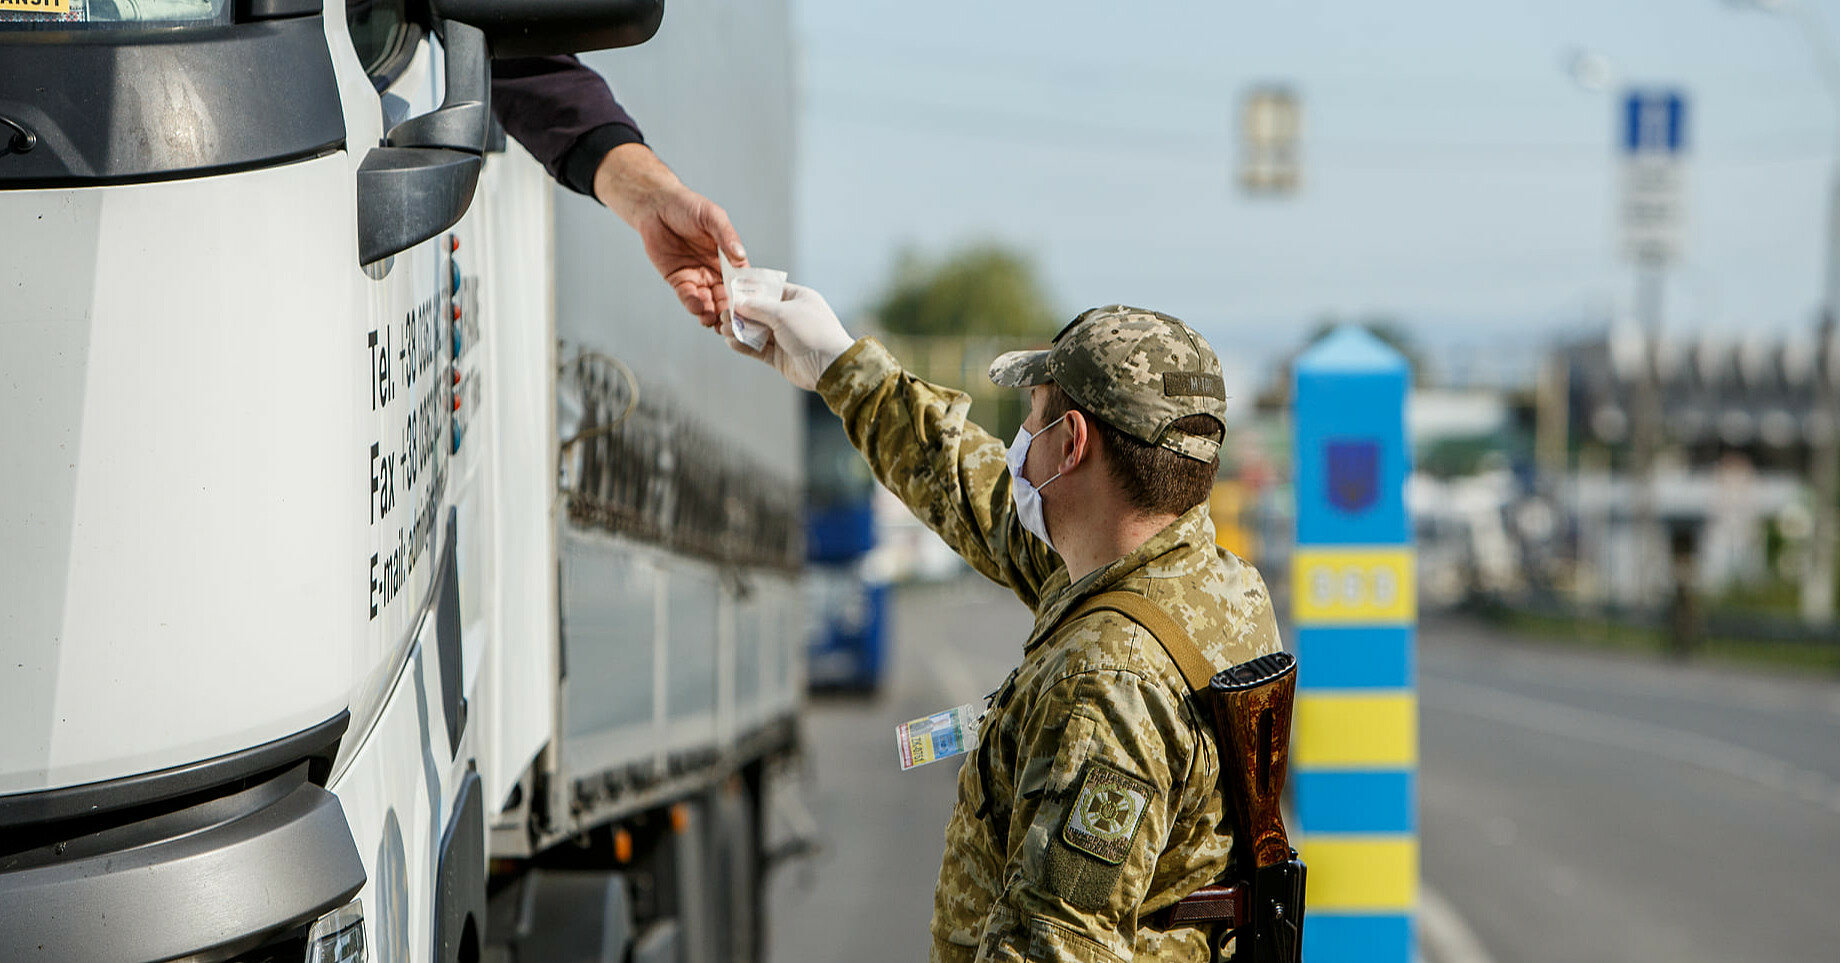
[(681, 229)]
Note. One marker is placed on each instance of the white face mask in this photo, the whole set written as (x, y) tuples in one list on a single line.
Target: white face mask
[(1026, 496)]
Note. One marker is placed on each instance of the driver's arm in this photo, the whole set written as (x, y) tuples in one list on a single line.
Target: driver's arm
[(563, 113)]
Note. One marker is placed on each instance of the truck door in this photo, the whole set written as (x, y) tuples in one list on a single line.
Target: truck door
[(179, 384), (407, 319)]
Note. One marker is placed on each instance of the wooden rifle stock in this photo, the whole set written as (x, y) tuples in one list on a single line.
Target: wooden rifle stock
[(1250, 706)]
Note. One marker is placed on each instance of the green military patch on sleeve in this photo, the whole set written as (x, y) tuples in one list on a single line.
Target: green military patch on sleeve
[(1106, 814)]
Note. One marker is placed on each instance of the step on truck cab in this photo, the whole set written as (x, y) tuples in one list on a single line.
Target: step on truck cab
[(333, 625)]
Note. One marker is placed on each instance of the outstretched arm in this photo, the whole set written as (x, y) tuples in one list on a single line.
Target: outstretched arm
[(916, 437), (682, 229), (564, 114)]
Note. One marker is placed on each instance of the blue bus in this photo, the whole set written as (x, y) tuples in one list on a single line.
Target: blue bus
[(849, 600)]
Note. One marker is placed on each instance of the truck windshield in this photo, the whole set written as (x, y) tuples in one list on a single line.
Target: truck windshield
[(66, 14)]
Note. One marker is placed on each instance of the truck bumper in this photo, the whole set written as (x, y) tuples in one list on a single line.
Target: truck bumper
[(205, 876)]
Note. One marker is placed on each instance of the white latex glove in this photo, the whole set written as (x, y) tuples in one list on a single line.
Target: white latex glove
[(805, 334)]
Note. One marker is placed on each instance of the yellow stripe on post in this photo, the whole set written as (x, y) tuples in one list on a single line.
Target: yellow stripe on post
[(1363, 874), (1352, 729), (1353, 586)]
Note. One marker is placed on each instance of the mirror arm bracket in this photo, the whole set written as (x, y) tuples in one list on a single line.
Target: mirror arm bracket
[(464, 117)]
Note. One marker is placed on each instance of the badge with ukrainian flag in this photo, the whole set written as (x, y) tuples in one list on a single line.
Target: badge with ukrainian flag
[(1106, 813)]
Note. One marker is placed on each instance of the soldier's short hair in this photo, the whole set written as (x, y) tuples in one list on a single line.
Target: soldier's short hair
[(1154, 479)]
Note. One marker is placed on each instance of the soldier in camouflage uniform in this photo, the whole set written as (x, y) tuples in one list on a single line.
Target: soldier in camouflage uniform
[(1093, 800)]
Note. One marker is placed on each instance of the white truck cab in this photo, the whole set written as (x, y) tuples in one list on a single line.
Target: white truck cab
[(284, 638)]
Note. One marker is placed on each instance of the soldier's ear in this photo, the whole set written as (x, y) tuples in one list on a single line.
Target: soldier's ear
[(1080, 446)]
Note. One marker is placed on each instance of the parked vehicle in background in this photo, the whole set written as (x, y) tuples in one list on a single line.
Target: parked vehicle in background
[(848, 590)]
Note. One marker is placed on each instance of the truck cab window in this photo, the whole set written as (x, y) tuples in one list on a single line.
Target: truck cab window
[(384, 36)]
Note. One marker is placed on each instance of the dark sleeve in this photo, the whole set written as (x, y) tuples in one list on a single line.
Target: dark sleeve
[(563, 113)]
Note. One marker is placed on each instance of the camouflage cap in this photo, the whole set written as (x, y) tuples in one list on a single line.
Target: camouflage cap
[(1139, 371)]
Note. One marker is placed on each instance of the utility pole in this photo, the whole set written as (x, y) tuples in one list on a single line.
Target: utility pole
[(1824, 467), (1823, 443), (1552, 417), (1647, 428)]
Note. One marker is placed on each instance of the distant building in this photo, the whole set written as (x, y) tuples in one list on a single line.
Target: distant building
[(1755, 398), (1740, 422)]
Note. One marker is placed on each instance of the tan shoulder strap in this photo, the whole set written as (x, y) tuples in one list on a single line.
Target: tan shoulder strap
[(1167, 631)]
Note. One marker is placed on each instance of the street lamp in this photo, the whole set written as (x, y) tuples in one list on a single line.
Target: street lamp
[(1590, 70), (1818, 579)]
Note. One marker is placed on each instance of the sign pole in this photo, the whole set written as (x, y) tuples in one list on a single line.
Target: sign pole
[(1354, 748), (1654, 227)]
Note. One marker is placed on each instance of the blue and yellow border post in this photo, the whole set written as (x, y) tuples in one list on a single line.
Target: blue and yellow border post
[(1354, 741)]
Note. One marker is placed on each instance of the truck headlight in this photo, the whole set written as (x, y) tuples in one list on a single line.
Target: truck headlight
[(338, 936)]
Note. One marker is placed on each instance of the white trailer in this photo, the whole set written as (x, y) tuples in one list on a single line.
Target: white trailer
[(389, 570)]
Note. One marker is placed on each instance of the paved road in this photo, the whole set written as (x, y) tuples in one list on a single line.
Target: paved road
[(1584, 807), (869, 894), (1574, 806)]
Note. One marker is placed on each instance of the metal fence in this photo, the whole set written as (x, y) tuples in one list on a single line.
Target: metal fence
[(634, 463)]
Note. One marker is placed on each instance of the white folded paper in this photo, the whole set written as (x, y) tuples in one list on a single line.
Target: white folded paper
[(750, 284)]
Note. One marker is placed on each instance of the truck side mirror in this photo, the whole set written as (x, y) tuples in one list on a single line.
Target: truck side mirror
[(536, 28), (407, 195), (421, 181)]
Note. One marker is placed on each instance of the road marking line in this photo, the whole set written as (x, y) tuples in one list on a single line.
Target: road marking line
[(1445, 937), (1588, 725)]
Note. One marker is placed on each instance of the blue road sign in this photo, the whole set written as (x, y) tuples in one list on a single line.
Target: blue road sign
[(1654, 122)]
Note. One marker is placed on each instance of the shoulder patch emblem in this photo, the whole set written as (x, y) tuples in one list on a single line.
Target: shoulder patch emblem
[(1106, 813)]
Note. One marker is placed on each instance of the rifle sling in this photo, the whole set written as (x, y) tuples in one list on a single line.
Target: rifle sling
[(1168, 633), (1175, 640), (1215, 904)]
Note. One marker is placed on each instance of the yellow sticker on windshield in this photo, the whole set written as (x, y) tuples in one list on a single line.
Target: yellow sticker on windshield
[(36, 6)]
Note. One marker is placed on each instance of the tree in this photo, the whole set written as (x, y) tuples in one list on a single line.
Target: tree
[(949, 318), (982, 290)]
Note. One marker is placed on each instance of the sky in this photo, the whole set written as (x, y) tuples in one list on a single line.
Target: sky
[(1456, 178)]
